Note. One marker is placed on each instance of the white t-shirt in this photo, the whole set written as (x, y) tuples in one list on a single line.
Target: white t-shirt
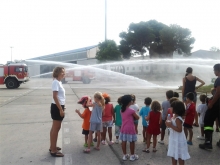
[(201, 109), (57, 86), (134, 107)]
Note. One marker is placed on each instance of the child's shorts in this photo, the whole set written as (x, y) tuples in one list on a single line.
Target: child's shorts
[(107, 123), (187, 125), (136, 122), (117, 130), (95, 127), (85, 132)]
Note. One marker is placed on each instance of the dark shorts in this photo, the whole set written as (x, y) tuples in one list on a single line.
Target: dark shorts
[(187, 125), (85, 132), (55, 112), (163, 125)]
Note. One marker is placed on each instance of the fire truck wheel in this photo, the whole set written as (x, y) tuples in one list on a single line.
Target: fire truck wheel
[(11, 84)]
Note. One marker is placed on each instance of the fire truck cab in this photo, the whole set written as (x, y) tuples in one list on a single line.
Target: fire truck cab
[(13, 74)]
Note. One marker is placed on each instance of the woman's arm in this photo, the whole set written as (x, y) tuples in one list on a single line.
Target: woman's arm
[(55, 97), (202, 83), (136, 117), (178, 127), (183, 88)]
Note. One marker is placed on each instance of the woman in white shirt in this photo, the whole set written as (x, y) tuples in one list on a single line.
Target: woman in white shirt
[(57, 110)]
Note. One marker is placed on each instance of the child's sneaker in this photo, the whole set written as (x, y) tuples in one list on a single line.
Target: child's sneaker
[(111, 142), (95, 140), (116, 141), (134, 157), (103, 142), (126, 157), (201, 137), (161, 141), (85, 145)]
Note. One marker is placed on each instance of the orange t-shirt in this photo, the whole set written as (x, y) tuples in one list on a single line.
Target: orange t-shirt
[(107, 115), (86, 117)]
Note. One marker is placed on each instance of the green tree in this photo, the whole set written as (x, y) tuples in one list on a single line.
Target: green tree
[(214, 49), (108, 51), (159, 39)]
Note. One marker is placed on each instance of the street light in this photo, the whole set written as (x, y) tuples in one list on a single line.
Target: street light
[(11, 53)]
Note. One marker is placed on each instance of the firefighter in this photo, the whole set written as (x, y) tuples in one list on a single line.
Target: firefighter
[(213, 112)]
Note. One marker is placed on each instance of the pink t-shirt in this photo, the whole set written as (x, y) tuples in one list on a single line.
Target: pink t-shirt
[(127, 126), (107, 114)]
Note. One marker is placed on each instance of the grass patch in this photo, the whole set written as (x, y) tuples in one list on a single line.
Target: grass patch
[(203, 89)]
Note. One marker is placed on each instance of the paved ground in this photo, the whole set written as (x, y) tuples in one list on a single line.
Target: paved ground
[(25, 124)]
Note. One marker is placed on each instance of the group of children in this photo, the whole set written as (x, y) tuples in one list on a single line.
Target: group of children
[(178, 116)]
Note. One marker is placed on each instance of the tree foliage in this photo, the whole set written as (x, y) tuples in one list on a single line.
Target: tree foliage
[(214, 49), (159, 39), (108, 51)]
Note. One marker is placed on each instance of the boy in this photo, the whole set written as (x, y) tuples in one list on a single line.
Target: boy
[(189, 118), (86, 117), (201, 109), (165, 106), (117, 111), (144, 112)]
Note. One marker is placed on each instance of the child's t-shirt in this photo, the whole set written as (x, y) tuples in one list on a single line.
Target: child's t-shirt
[(134, 107), (117, 111), (128, 122), (86, 117), (165, 106), (96, 116), (190, 113), (107, 114), (144, 112), (201, 109)]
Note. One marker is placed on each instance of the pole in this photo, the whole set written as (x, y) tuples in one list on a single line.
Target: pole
[(105, 19), (11, 53)]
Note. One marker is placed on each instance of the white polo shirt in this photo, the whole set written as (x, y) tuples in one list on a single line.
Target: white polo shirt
[(57, 86)]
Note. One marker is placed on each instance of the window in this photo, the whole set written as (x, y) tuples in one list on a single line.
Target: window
[(17, 69)]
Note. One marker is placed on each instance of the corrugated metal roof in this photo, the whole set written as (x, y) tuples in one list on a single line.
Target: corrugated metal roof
[(64, 53)]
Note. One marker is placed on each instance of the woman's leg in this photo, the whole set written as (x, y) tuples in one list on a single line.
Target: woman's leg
[(54, 134), (110, 133), (132, 147), (123, 146)]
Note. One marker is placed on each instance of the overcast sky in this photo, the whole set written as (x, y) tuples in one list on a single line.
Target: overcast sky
[(40, 27)]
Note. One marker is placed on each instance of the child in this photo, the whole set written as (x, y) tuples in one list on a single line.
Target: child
[(128, 132), (201, 109), (86, 117), (135, 107), (95, 119), (144, 112), (175, 94), (155, 120), (170, 110), (107, 122), (177, 148), (117, 111), (189, 118), (165, 106)]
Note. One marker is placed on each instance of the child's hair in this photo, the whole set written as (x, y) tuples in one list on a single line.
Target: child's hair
[(178, 108), (155, 106), (125, 100), (99, 96), (202, 98), (106, 97), (175, 94), (173, 99), (119, 100), (147, 101), (57, 71), (133, 97), (169, 94), (190, 96)]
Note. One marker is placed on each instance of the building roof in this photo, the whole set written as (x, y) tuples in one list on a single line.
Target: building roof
[(64, 53), (205, 54)]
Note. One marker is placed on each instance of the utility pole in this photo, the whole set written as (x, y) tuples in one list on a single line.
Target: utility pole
[(11, 53)]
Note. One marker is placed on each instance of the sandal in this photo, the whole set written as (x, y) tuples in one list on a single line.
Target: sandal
[(86, 150), (154, 150), (96, 148), (57, 154), (58, 148), (146, 150)]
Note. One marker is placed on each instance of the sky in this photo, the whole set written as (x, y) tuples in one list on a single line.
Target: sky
[(32, 28)]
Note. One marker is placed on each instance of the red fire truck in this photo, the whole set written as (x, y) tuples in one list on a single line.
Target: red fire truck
[(13, 74)]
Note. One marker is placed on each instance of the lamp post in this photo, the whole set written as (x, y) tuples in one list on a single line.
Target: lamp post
[(11, 53)]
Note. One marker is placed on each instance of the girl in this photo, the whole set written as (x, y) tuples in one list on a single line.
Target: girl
[(177, 148), (128, 132), (154, 118), (107, 122), (57, 110), (95, 119), (135, 107)]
